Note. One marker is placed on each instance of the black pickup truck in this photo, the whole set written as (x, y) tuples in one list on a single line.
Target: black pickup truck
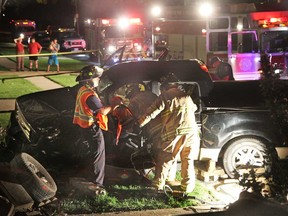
[(236, 128)]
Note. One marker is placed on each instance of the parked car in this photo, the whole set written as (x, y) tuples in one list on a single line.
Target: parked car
[(43, 38), (236, 128), (69, 39)]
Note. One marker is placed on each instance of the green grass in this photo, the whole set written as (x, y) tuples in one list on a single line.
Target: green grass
[(64, 80), (133, 198), (2, 68), (14, 88), (4, 119), (66, 64)]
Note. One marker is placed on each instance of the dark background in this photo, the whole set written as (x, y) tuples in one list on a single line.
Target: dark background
[(62, 12)]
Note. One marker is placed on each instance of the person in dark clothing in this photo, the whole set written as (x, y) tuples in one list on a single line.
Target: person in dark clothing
[(222, 70), (91, 117)]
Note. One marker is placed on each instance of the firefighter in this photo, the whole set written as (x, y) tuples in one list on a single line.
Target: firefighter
[(91, 117), (178, 133), (139, 99)]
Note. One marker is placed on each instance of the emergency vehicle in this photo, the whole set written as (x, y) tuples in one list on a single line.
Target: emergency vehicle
[(240, 39), (113, 34), (22, 28)]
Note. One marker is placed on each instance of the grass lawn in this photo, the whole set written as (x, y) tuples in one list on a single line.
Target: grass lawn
[(66, 64), (132, 198), (64, 79), (2, 68), (4, 119), (14, 88)]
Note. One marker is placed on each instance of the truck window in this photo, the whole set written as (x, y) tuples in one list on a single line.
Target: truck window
[(218, 41), (274, 41), (235, 22), (219, 23), (244, 43)]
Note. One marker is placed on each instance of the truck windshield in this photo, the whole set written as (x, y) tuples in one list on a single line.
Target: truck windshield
[(274, 41), (116, 32), (24, 29), (244, 43)]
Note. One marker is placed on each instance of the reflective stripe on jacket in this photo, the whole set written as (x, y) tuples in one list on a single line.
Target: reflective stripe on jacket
[(83, 115), (176, 109)]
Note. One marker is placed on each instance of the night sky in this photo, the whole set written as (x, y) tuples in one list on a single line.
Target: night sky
[(62, 12)]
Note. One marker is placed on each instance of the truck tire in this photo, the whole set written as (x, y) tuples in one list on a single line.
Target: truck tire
[(244, 153), (33, 177)]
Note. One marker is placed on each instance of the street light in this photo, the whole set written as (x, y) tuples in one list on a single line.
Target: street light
[(206, 9), (156, 12)]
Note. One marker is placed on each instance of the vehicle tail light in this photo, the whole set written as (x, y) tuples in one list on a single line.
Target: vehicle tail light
[(204, 68)]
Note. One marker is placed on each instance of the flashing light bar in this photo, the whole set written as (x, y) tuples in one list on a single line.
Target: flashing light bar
[(131, 21), (23, 22), (270, 19), (273, 22)]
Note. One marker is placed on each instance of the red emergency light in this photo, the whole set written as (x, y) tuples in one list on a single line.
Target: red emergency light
[(105, 22), (271, 18), (135, 21), (112, 22)]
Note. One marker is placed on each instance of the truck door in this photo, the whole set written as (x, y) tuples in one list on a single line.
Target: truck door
[(243, 55)]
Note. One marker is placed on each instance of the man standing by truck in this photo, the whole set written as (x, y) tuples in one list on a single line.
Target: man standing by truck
[(178, 133)]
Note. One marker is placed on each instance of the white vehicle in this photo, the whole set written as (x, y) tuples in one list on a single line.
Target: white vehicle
[(69, 39)]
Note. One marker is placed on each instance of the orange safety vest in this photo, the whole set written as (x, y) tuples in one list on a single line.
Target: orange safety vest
[(83, 115)]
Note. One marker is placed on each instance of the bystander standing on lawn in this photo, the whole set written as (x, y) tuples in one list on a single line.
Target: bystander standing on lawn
[(34, 48), (19, 51), (54, 47)]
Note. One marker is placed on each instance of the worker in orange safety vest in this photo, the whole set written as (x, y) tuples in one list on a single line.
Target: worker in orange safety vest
[(91, 117)]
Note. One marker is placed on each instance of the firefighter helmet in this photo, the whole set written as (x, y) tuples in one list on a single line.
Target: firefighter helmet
[(169, 78), (89, 72)]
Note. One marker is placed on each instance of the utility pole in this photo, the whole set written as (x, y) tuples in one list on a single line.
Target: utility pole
[(76, 17), (2, 7)]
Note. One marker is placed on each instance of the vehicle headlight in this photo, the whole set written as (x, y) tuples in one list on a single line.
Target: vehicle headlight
[(23, 123)]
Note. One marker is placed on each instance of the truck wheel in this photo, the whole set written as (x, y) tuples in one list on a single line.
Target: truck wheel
[(33, 177), (244, 154)]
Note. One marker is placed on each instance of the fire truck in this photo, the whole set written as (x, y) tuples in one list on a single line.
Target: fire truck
[(22, 28), (113, 34), (240, 39)]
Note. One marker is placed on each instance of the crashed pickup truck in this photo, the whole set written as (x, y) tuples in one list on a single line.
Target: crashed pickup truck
[(236, 128)]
